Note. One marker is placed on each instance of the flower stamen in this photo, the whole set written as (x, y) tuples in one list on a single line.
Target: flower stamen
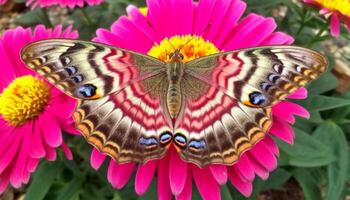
[(342, 6), (24, 99), (195, 48)]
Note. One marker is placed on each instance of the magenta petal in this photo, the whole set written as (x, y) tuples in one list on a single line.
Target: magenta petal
[(271, 144), (177, 172), (301, 93), (51, 130), (50, 153), (282, 130), (163, 186), (8, 155), (97, 159), (262, 153), (4, 181), (17, 171), (187, 191), (32, 164), (243, 187), (144, 176), (335, 24), (258, 168), (219, 173), (206, 184), (67, 151), (286, 110), (277, 38), (37, 149), (244, 167), (119, 174)]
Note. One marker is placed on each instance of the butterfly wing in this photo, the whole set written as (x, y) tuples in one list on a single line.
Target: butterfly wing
[(118, 91), (231, 110), (88, 70), (260, 77)]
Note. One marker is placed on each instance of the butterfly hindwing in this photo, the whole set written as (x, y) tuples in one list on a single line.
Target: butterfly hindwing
[(216, 128)]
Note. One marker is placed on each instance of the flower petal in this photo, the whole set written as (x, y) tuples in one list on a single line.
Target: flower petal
[(97, 159), (144, 176), (119, 174), (177, 172), (246, 188), (335, 24), (219, 173), (186, 193), (164, 191), (282, 130), (206, 184)]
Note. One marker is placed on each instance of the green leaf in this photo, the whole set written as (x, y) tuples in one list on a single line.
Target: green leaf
[(331, 135), (325, 83), (42, 180), (306, 151), (307, 183), (70, 190), (275, 181), (151, 192), (321, 103), (225, 193)]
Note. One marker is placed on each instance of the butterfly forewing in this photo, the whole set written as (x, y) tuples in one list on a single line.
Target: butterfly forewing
[(259, 77), (87, 70)]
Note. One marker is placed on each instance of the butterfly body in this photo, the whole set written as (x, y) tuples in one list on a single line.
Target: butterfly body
[(175, 71), (135, 107)]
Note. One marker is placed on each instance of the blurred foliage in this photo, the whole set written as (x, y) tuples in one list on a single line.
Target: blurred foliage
[(318, 160)]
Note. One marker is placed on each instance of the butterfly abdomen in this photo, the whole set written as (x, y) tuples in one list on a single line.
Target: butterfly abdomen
[(174, 99)]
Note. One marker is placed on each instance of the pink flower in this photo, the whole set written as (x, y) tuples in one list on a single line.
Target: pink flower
[(227, 31), (3, 2), (32, 112), (62, 3), (339, 10)]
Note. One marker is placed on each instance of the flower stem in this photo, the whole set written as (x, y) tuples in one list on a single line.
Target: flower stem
[(87, 17), (317, 37), (46, 18)]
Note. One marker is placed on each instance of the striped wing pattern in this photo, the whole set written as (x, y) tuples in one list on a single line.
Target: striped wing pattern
[(120, 118), (234, 113), (228, 97)]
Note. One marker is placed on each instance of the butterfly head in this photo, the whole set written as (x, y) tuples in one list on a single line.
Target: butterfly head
[(176, 56)]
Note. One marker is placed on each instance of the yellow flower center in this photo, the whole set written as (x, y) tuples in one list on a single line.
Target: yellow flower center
[(192, 47), (24, 99), (342, 6)]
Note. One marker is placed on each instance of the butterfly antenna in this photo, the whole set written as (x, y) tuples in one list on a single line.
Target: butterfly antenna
[(205, 30), (167, 39)]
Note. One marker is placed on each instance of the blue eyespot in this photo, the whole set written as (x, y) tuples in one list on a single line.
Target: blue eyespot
[(180, 139), (78, 78), (148, 141), (256, 98), (87, 90), (265, 86), (165, 137), (71, 70), (197, 144), (273, 77)]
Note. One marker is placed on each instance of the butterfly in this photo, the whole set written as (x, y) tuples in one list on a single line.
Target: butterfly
[(133, 107)]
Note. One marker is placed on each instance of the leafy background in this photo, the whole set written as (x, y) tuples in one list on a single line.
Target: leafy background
[(315, 167)]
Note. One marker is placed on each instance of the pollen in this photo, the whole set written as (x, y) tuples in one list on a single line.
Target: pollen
[(24, 99), (342, 6), (192, 47)]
